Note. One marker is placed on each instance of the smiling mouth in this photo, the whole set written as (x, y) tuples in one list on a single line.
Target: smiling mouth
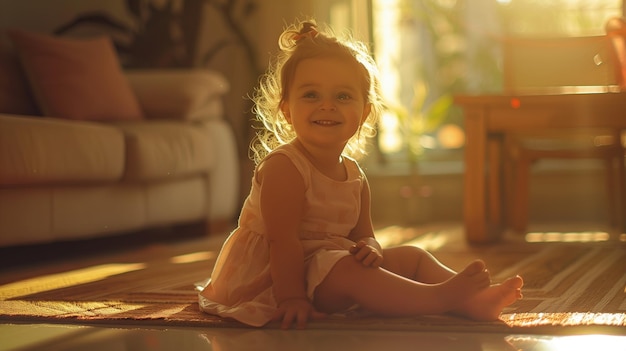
[(326, 123)]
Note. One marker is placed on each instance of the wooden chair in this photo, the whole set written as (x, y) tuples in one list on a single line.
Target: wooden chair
[(556, 65), (525, 150), (616, 32)]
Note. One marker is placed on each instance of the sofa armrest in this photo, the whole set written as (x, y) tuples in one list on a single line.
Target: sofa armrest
[(184, 94)]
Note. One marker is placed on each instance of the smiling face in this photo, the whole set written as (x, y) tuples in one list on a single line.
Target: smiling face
[(325, 103)]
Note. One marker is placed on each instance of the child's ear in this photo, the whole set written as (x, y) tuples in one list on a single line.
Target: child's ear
[(284, 108), (366, 112)]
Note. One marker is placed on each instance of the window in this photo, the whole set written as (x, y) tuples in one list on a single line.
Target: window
[(430, 50)]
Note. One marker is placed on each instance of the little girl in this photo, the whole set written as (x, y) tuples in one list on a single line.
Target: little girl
[(305, 244)]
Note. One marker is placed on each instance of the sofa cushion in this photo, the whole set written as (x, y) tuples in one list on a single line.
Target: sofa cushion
[(40, 214), (179, 94), (54, 151), (15, 94), (158, 150), (76, 79)]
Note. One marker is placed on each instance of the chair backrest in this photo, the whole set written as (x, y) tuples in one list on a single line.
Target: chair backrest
[(616, 32), (541, 64)]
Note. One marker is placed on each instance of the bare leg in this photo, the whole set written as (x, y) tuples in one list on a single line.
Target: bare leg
[(415, 263), (413, 282), (384, 292)]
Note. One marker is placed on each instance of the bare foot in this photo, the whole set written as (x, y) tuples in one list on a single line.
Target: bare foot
[(475, 274), (471, 280), (488, 303)]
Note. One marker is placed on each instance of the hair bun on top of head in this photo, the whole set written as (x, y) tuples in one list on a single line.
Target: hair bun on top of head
[(292, 36), (309, 29)]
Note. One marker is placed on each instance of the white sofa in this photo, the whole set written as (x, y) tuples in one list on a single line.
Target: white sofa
[(65, 179)]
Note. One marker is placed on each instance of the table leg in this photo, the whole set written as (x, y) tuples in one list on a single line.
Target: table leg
[(621, 187), (474, 201), (494, 189)]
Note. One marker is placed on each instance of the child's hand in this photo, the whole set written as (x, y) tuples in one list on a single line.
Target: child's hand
[(296, 310), (366, 254)]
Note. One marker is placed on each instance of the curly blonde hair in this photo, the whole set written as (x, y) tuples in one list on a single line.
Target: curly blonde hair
[(299, 42)]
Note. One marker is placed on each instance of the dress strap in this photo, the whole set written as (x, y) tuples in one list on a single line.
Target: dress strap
[(298, 159), (354, 169)]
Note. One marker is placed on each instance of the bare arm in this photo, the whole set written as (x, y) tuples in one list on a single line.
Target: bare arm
[(282, 208), (366, 249)]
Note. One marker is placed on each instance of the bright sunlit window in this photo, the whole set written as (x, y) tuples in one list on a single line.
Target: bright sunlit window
[(430, 50)]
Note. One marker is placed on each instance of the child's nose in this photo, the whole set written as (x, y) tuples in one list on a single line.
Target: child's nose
[(328, 105)]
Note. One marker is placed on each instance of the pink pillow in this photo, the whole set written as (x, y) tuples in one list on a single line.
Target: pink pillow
[(76, 79), (15, 95)]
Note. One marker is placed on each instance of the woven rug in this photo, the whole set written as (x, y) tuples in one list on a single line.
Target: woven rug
[(569, 287)]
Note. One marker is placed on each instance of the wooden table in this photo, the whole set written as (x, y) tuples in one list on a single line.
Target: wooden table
[(489, 117)]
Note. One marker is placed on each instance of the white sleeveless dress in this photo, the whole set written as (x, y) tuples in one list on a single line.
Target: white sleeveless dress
[(240, 286)]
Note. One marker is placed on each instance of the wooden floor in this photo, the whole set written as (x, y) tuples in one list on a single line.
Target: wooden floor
[(23, 261)]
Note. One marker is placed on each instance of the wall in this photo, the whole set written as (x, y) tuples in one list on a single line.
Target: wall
[(560, 192), (45, 15)]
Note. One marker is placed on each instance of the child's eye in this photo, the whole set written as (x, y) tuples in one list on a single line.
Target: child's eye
[(309, 95), (344, 96)]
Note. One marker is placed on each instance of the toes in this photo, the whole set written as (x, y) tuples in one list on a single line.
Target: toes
[(514, 283), (474, 268)]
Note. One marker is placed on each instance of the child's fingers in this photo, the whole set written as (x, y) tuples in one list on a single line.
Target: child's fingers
[(367, 255), (288, 319), (318, 315), (373, 259), (302, 319), (296, 314), (278, 315), (356, 247), (353, 249), (361, 253)]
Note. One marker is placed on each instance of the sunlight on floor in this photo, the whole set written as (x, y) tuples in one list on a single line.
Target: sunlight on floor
[(539, 237), (427, 240), (66, 279), (563, 318), (193, 257), (569, 343)]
